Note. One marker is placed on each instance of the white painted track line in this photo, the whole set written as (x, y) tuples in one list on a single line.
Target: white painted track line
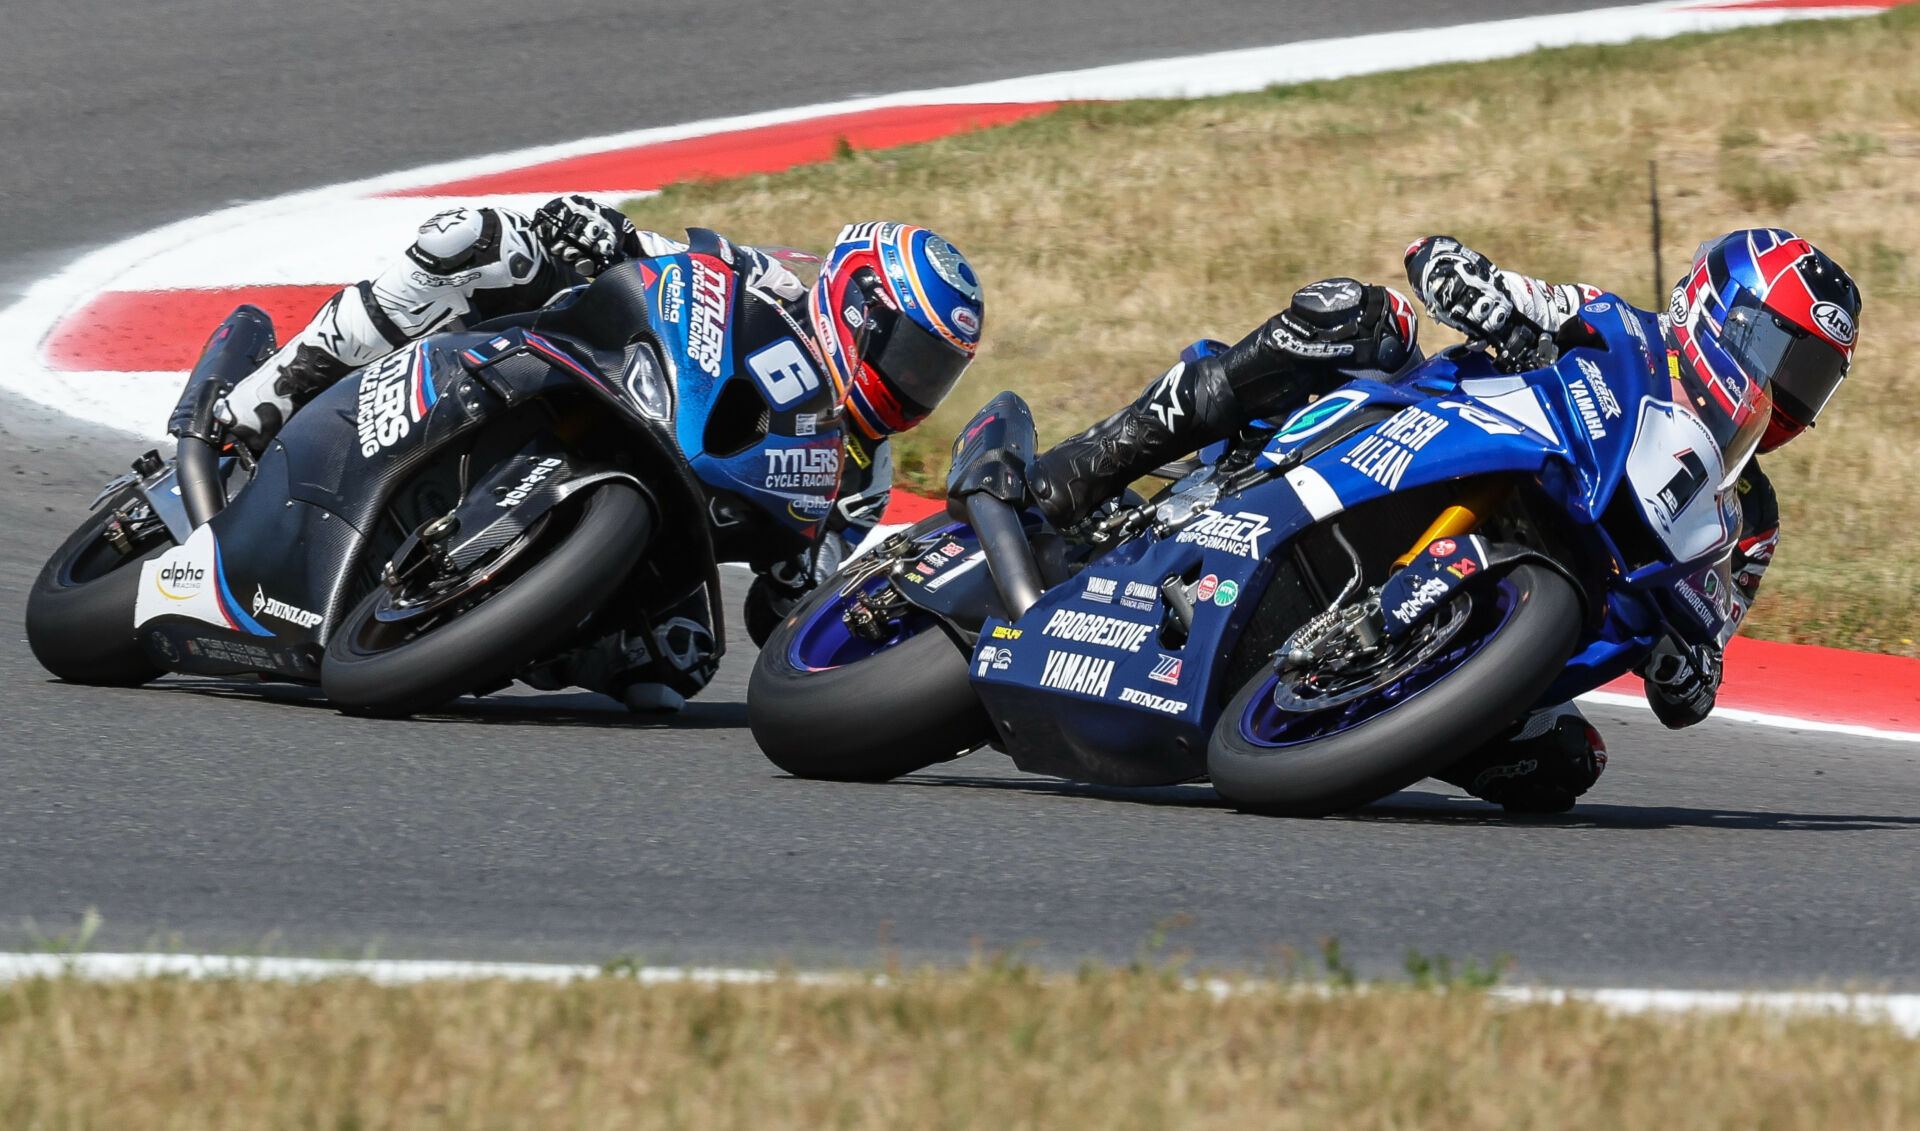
[(1900, 1010)]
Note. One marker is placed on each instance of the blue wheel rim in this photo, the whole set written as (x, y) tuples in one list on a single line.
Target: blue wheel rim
[(1264, 724), (824, 641)]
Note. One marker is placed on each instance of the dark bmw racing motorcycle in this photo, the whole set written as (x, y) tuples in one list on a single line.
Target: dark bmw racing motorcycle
[(469, 509), (1313, 616)]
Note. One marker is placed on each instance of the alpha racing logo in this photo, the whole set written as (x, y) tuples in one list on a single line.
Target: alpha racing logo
[(385, 410), (1092, 628), (790, 469), (1229, 533), (706, 330), (178, 582), (673, 293), (1083, 675), (264, 605)]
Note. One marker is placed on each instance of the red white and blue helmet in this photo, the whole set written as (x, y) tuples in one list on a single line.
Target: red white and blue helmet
[(1761, 332), (898, 314)]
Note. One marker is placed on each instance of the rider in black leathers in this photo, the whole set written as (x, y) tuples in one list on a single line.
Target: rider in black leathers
[(1337, 329)]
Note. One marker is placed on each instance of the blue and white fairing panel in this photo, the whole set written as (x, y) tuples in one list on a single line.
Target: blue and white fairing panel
[(714, 331)]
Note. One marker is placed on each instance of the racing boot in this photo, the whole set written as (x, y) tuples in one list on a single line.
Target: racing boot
[(348, 332), (1542, 764), (1331, 331), (1189, 407)]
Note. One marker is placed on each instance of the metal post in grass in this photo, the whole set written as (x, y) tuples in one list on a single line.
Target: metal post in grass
[(1653, 202)]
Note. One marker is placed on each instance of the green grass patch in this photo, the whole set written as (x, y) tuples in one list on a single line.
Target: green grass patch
[(1110, 235)]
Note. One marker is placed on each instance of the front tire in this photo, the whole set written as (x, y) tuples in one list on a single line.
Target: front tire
[(80, 610), (527, 616), (1519, 655), (864, 715)]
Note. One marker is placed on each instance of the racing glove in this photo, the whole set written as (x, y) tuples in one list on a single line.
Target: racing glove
[(1511, 312), (1681, 682), (585, 234)]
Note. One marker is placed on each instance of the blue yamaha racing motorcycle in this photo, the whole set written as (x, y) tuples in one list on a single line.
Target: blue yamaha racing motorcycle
[(546, 492), (1312, 617)]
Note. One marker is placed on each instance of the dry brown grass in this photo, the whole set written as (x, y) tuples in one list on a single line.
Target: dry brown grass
[(1109, 236), (988, 1047)]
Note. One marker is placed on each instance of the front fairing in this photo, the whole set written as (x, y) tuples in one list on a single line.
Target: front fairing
[(773, 439)]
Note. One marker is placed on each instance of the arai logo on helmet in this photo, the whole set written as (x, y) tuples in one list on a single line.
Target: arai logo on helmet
[(1834, 322), (950, 265), (965, 320)]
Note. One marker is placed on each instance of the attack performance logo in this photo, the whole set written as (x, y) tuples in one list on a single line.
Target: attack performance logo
[(1228, 533), (1071, 671)]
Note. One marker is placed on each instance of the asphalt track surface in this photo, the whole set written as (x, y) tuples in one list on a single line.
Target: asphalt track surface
[(234, 816)]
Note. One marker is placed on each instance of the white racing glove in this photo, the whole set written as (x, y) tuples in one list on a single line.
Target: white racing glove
[(1463, 289), (1681, 682)]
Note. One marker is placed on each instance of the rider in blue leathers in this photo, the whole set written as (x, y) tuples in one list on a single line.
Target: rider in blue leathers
[(891, 361), (1758, 306)]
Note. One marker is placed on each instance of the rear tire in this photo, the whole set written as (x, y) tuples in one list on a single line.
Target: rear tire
[(1417, 737), (891, 713), (79, 622), (533, 613)]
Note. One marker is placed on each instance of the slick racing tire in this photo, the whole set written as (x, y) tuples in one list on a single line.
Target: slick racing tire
[(1523, 628), (80, 611), (891, 713), (523, 617)]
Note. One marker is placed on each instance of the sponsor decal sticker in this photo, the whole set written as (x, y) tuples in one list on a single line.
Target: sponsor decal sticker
[(1421, 599), (792, 469), (1464, 568), (1237, 533), (178, 581), (1598, 307), (1152, 702), (1140, 596), (1101, 631), (1602, 392), (1320, 415), (1209, 585), (965, 320), (1228, 594), (385, 408), (784, 373), (535, 475), (706, 330), (1834, 322), (993, 659), (806, 423), (264, 605), (924, 569), (673, 294), (1385, 454), (1100, 589), (1583, 402), (1003, 632), (953, 549), (1071, 671), (1166, 670), (1442, 547)]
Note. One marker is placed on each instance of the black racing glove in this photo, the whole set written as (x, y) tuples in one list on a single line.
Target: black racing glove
[(585, 234), (1681, 682)]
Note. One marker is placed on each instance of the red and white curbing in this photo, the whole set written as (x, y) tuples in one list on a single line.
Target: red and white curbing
[(110, 338), (1902, 1011)]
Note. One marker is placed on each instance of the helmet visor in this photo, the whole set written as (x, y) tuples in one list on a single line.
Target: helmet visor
[(1801, 371), (921, 367)]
